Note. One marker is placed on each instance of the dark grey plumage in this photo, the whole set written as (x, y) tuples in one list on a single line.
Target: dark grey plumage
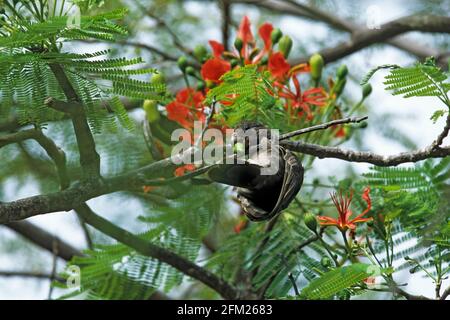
[(262, 197)]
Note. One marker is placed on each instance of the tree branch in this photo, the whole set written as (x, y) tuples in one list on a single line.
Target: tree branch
[(369, 157), (445, 294), (44, 239), (225, 7), (322, 127), (363, 39), (30, 274), (312, 13), (148, 249), (89, 158)]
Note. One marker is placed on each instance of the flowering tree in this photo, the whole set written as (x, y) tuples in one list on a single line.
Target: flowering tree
[(332, 240)]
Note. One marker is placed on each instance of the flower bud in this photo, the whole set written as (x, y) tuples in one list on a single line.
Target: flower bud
[(276, 35), (316, 63), (285, 45), (342, 71), (200, 52), (234, 63), (366, 90), (151, 110), (310, 221), (182, 63), (339, 87), (201, 86), (325, 262), (238, 43), (190, 71), (158, 78)]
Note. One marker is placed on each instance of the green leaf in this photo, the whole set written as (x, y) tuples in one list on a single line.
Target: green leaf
[(339, 279)]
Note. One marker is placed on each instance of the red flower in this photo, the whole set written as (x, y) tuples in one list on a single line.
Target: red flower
[(181, 171), (278, 66), (240, 226), (214, 68), (302, 100), (217, 48), (265, 32), (342, 204), (186, 108), (245, 31), (340, 133)]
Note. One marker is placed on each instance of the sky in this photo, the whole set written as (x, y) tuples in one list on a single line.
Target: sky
[(410, 116)]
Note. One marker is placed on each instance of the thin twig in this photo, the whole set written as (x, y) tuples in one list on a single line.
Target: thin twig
[(322, 127)]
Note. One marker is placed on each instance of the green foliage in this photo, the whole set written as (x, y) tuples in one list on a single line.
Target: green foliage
[(31, 48), (118, 272), (339, 279), (246, 90), (420, 80)]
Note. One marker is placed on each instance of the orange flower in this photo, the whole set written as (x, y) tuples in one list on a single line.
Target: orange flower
[(278, 66), (245, 31), (147, 189), (342, 204), (302, 100), (181, 171), (186, 107), (265, 32), (214, 68), (217, 48)]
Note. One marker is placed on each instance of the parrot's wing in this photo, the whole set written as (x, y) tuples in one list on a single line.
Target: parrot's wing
[(238, 175)]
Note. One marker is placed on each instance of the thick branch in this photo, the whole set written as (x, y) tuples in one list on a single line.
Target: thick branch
[(364, 156), (445, 294), (148, 249), (44, 239), (89, 158), (315, 14), (16, 137), (363, 39), (30, 274)]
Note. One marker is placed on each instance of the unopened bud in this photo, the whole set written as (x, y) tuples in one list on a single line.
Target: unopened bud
[(285, 45), (310, 221)]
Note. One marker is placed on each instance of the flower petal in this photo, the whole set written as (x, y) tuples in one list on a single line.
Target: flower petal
[(265, 32), (217, 48)]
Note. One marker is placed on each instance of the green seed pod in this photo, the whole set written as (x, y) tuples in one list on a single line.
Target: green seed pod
[(310, 221), (238, 43), (325, 262), (316, 63), (342, 71), (190, 71), (182, 63), (339, 88), (366, 90), (158, 78), (201, 86), (200, 52), (151, 110), (234, 63), (276, 35), (285, 45), (265, 60)]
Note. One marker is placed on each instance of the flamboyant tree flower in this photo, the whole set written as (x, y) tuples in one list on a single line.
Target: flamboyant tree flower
[(299, 100), (342, 203), (278, 66), (215, 68), (181, 171), (187, 107)]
